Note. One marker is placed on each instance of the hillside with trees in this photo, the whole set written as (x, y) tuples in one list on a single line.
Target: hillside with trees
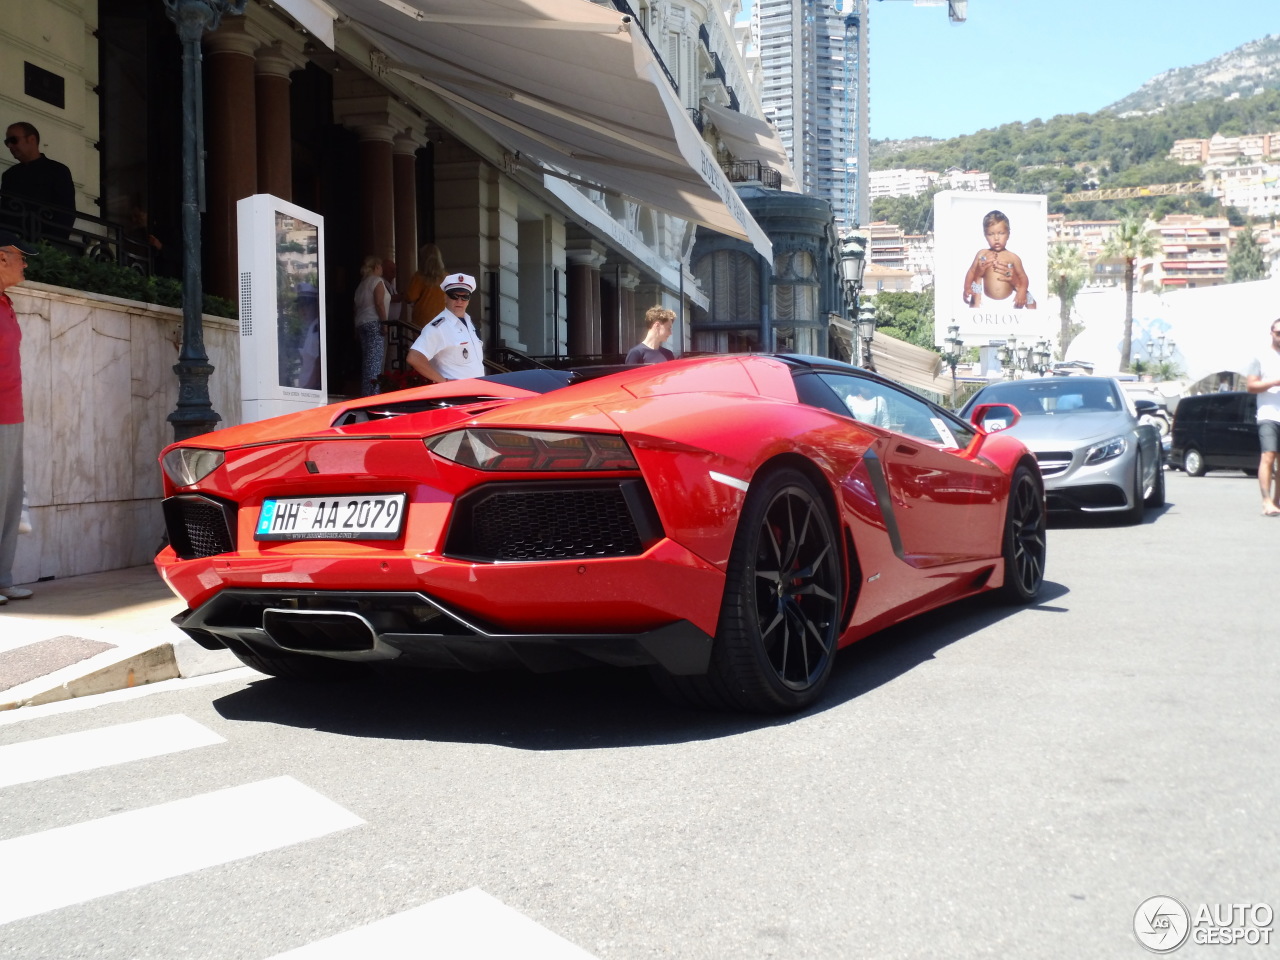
[(1074, 152)]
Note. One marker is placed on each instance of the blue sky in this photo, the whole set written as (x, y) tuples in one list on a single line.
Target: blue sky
[(1023, 59)]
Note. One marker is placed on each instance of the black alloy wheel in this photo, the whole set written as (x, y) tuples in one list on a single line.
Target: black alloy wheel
[(776, 642), (1025, 543)]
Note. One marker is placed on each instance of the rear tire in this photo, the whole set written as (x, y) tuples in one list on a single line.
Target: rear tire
[(775, 644), (1193, 463), (1025, 543)]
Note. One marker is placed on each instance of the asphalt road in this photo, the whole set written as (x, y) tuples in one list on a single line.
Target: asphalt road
[(979, 782)]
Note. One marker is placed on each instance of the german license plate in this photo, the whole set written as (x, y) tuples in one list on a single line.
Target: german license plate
[(361, 517)]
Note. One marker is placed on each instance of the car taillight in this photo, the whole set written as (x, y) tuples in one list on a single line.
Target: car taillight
[(188, 465), (532, 450)]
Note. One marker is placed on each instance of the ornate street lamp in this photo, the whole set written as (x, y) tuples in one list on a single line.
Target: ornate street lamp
[(952, 355), (1007, 354), (1161, 348), (867, 332), (194, 413), (853, 266)]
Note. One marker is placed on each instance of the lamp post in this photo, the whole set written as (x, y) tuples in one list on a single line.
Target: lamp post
[(867, 333), (853, 266), (1041, 356), (1161, 348), (194, 413), (952, 355), (1007, 354)]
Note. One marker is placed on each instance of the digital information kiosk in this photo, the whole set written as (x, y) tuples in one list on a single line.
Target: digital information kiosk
[(282, 320)]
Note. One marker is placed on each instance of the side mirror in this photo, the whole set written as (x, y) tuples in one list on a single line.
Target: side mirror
[(1146, 407), (992, 417)]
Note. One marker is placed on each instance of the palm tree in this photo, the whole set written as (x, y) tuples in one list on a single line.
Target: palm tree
[(1067, 273), (1130, 242)]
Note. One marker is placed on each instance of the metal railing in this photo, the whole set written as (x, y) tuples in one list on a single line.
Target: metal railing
[(623, 7), (78, 233), (752, 171)]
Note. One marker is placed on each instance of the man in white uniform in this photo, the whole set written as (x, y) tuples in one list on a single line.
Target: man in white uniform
[(1264, 380), (449, 347)]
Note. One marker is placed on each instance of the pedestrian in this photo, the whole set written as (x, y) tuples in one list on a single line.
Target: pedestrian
[(1263, 379), (389, 278), (659, 321), (424, 294), (13, 263), (867, 405), (449, 347), (372, 302), (37, 184)]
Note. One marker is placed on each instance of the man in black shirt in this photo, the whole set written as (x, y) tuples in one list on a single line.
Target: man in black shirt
[(659, 321), (36, 185)]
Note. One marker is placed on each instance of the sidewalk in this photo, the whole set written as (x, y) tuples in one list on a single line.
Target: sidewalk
[(92, 634)]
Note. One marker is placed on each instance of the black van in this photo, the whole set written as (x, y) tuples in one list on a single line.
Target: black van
[(1216, 431)]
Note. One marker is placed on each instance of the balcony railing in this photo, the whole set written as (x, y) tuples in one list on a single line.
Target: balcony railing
[(622, 6), (752, 171)]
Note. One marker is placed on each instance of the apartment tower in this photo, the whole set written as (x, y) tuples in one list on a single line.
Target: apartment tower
[(814, 66)]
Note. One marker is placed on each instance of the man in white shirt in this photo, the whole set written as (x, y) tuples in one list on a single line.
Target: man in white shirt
[(1263, 379), (867, 406), (448, 348)]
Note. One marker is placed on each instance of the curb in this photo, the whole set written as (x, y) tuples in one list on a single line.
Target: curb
[(119, 670)]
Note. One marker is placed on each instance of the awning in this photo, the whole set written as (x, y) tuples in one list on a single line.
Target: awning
[(750, 139), (912, 366), (570, 87)]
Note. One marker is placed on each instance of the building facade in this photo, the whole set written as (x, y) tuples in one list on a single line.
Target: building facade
[(399, 130)]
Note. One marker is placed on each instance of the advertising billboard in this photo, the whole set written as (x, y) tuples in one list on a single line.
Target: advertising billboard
[(282, 335), (991, 267)]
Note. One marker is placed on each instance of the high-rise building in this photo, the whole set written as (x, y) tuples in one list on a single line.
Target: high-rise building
[(813, 65)]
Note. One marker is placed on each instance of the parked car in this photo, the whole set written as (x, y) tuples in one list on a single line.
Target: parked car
[(1216, 431), (725, 521), (1094, 453)]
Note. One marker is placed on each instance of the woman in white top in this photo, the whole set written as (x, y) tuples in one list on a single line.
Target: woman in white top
[(372, 301)]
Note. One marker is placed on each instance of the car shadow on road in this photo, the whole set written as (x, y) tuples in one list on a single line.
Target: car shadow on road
[(583, 709)]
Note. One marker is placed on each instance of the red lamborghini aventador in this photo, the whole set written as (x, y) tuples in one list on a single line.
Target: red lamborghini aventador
[(729, 521)]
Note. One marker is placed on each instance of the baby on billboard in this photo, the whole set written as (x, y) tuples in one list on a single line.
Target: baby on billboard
[(996, 275)]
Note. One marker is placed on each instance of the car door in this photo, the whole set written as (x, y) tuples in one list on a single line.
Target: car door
[(1224, 431), (946, 505), (1241, 432)]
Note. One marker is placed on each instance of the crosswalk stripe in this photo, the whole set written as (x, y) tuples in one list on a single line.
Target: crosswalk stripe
[(68, 865), (104, 747), (470, 925)]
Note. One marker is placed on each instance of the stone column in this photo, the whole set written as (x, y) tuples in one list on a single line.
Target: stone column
[(377, 195), (585, 258), (632, 325), (275, 142), (361, 105), (404, 163), (230, 138)]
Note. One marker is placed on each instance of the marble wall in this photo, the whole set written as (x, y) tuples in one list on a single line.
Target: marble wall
[(98, 384)]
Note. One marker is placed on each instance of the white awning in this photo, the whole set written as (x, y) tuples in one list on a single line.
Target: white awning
[(912, 366), (571, 87), (750, 139)]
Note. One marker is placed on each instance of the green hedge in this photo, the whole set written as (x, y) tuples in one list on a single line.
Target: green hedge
[(58, 268)]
